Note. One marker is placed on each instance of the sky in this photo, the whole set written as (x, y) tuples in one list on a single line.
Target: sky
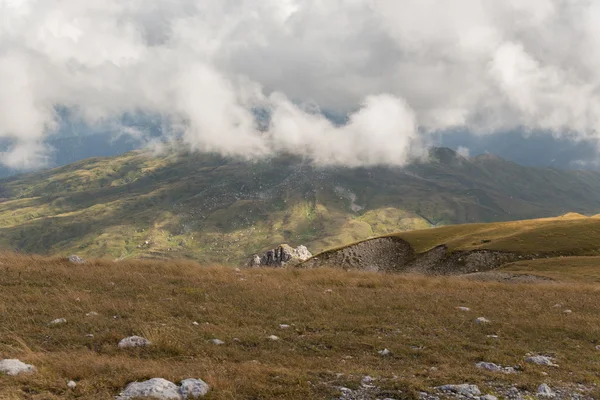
[(401, 72)]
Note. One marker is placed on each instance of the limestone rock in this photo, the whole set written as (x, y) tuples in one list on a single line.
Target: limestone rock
[(495, 367), (76, 260), (541, 360), (545, 391), (469, 391), (15, 367), (217, 342), (482, 321), (58, 321), (157, 388), (384, 352), (134, 341), (193, 388), (281, 256), (71, 384), (162, 389)]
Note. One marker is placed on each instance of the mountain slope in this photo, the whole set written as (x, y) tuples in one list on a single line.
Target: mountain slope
[(215, 209)]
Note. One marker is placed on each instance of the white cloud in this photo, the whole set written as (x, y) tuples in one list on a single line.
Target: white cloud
[(401, 69)]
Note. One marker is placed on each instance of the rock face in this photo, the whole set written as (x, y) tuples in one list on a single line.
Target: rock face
[(281, 256), (15, 367), (162, 389), (380, 254)]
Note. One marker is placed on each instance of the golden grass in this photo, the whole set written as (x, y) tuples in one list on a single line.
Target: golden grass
[(571, 233), (570, 269), (337, 332)]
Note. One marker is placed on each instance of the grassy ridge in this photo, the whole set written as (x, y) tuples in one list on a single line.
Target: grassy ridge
[(212, 209), (333, 340)]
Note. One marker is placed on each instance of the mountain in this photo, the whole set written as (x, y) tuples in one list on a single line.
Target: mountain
[(69, 149), (219, 210)]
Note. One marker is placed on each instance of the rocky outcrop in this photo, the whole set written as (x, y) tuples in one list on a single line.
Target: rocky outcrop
[(381, 254), (393, 254), (281, 256)]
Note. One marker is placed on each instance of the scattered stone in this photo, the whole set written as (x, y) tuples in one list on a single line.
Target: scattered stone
[(281, 256), (482, 321), (367, 381), (273, 338), (58, 321), (541, 360), (568, 312), (466, 390), (284, 326), (237, 270), (217, 342), (76, 260), (466, 309), (598, 347), (193, 388), (488, 397), (71, 384), (195, 323), (156, 388), (545, 391), (495, 367), (237, 340), (493, 336), (90, 335), (92, 314), (328, 291), (384, 352), (134, 341), (557, 305), (15, 367)]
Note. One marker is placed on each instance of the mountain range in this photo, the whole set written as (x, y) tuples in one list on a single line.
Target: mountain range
[(221, 210)]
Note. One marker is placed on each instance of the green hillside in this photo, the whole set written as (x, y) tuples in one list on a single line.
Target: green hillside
[(214, 209)]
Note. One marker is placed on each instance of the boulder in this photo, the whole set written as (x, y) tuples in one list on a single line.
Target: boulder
[(193, 388), (162, 389), (466, 390), (15, 367), (134, 341), (76, 260), (281, 256), (157, 388)]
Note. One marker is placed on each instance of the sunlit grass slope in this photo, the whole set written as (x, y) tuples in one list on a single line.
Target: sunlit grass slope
[(339, 321)]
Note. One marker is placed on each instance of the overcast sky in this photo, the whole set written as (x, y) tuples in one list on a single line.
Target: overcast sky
[(400, 68)]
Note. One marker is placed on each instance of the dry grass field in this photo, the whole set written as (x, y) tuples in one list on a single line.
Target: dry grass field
[(338, 323)]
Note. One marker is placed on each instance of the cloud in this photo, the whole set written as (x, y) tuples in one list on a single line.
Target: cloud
[(399, 70)]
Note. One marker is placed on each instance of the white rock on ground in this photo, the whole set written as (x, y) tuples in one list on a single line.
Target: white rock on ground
[(495, 367), (193, 388), (545, 391), (134, 341), (384, 352), (273, 338), (162, 389), (541, 360), (217, 342), (488, 397), (463, 309), (58, 321), (71, 384), (465, 389), (482, 321), (157, 388), (284, 326), (92, 314), (15, 367), (568, 311), (598, 347), (76, 260)]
